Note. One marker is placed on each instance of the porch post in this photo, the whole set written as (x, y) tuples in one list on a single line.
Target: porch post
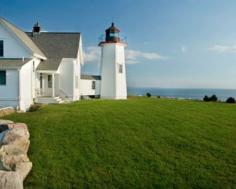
[(53, 85)]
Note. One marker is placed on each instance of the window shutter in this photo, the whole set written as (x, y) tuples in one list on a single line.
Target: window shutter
[(3, 79)]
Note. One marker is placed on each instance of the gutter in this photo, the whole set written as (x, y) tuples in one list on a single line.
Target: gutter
[(19, 89)]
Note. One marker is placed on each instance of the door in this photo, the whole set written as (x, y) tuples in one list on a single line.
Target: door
[(48, 85)]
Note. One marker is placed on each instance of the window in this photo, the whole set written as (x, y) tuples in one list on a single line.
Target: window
[(41, 80), (114, 35), (1, 48), (3, 79), (120, 68), (50, 81), (93, 84)]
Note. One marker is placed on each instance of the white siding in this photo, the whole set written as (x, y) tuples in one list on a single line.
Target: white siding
[(113, 84), (9, 93), (27, 85), (13, 48), (108, 71), (121, 88), (76, 80), (86, 87), (69, 71)]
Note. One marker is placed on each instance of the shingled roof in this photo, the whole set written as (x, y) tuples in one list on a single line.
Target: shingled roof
[(12, 63), (23, 37), (49, 46), (55, 46)]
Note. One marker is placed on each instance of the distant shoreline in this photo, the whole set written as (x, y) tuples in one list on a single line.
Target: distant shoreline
[(187, 94)]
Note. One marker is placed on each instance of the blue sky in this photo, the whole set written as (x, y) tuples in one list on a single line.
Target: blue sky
[(171, 43)]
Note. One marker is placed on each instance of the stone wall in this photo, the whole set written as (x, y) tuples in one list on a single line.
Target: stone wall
[(14, 162)]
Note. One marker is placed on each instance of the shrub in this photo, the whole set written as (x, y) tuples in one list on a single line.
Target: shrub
[(206, 98), (148, 95), (230, 100), (213, 98), (34, 107)]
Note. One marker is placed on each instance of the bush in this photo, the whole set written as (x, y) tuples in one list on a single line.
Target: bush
[(213, 98), (206, 98), (34, 107), (230, 100), (148, 95)]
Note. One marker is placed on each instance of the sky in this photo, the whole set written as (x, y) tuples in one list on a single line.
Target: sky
[(171, 43)]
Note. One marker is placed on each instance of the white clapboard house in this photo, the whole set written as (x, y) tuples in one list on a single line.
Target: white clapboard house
[(45, 67)]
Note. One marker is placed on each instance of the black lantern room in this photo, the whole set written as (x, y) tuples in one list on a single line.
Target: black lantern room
[(36, 28), (112, 34)]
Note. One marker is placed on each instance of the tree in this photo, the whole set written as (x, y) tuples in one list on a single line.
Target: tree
[(213, 98), (206, 98), (230, 100), (148, 95)]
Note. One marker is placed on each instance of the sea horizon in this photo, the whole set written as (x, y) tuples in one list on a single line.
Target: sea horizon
[(183, 93)]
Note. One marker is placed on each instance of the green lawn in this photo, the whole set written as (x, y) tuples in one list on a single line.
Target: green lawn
[(138, 143)]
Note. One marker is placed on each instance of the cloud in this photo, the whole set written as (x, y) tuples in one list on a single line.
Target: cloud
[(92, 54), (223, 48), (134, 56)]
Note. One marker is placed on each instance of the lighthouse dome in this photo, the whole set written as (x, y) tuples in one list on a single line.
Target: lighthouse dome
[(112, 34)]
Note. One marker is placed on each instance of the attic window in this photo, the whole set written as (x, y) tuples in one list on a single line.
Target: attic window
[(3, 80), (1, 48)]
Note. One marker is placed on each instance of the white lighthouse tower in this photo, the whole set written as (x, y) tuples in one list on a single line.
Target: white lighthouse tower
[(113, 72)]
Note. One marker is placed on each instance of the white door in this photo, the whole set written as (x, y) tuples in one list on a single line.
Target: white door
[(45, 84)]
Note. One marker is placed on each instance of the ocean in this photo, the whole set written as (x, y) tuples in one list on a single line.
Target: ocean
[(197, 94)]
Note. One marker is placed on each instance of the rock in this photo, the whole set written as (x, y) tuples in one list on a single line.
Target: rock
[(20, 129), (3, 127), (3, 130), (5, 122), (23, 169), (13, 138), (6, 111), (14, 162), (10, 180), (11, 157)]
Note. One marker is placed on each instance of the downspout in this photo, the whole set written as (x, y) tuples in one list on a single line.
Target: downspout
[(19, 89)]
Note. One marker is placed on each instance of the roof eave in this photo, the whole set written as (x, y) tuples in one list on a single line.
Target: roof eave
[(39, 56)]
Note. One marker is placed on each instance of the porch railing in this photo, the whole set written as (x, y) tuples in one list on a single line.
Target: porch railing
[(38, 92), (42, 93)]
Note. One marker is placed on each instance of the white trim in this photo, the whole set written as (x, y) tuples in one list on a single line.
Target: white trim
[(53, 85), (46, 71), (39, 56)]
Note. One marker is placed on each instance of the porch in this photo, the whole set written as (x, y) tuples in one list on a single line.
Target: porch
[(47, 88)]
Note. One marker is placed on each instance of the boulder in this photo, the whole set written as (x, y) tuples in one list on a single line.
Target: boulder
[(3, 127), (17, 138), (3, 130), (2, 121), (10, 180), (14, 162), (23, 169), (20, 129), (11, 157), (6, 111)]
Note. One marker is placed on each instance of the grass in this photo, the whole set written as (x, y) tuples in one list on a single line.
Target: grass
[(139, 143)]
